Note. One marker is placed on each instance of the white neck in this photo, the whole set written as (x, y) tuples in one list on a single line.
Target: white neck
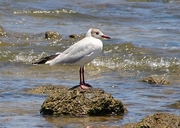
[(88, 34)]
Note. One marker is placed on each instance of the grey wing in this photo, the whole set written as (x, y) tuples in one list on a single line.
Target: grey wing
[(76, 52)]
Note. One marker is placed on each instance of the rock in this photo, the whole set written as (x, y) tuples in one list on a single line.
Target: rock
[(2, 32), (156, 80), (51, 35), (73, 36), (47, 89), (78, 102), (175, 105), (158, 120)]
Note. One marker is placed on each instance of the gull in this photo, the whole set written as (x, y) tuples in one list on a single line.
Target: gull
[(80, 53)]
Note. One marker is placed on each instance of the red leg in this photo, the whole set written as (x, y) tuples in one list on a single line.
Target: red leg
[(80, 76), (83, 85), (83, 75)]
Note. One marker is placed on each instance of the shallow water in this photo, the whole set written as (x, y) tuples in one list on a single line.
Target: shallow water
[(145, 41)]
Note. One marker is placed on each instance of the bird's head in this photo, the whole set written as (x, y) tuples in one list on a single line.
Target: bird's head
[(96, 33)]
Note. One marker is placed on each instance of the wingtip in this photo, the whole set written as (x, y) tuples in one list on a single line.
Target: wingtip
[(45, 59), (34, 63)]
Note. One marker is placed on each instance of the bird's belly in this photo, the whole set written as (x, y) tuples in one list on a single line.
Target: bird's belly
[(88, 58)]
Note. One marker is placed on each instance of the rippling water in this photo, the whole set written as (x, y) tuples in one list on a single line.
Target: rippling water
[(145, 41)]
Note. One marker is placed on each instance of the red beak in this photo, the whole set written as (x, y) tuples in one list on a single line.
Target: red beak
[(105, 36)]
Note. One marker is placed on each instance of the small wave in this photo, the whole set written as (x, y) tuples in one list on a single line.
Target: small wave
[(128, 57), (116, 57), (138, 64), (25, 57), (4, 55), (61, 11)]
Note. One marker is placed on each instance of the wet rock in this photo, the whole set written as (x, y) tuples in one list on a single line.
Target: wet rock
[(47, 89), (156, 80), (78, 102), (51, 35), (2, 32), (175, 105), (73, 36), (158, 120)]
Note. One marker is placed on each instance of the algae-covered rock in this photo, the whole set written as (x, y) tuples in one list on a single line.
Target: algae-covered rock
[(156, 80), (48, 89), (51, 35), (75, 36), (2, 32), (78, 102), (175, 105), (158, 120)]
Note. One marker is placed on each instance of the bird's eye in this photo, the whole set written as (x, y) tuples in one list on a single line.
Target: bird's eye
[(97, 33)]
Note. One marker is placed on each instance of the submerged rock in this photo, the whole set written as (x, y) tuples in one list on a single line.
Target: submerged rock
[(51, 35), (175, 105), (156, 80), (2, 32), (158, 120), (78, 102)]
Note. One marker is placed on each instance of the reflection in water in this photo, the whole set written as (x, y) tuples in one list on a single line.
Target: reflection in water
[(81, 121)]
